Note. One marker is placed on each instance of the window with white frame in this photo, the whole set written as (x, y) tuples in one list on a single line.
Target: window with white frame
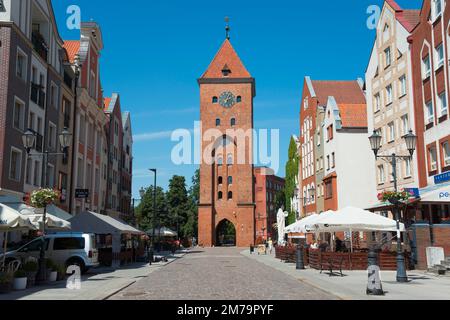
[(439, 56), (15, 164), (391, 127), (407, 168), (19, 114), (426, 67), (21, 65), (50, 179), (387, 57), (377, 102), (381, 176), (405, 124), (430, 112), (402, 85), (333, 160), (437, 8), (389, 97), (446, 153), (443, 107), (51, 139), (433, 159)]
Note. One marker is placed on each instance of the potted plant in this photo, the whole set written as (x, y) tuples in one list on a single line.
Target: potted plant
[(6, 280), (61, 270), (395, 197), (52, 273), (43, 197), (20, 280), (31, 269)]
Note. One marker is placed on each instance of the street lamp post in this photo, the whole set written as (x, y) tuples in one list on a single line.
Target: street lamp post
[(29, 140), (154, 217), (411, 142), (300, 264)]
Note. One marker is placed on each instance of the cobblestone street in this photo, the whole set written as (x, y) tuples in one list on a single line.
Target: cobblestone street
[(219, 273)]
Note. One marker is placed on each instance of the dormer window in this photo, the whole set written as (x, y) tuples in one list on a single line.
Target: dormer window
[(226, 71), (437, 8)]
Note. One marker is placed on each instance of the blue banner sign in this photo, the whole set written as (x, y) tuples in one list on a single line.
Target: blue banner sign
[(414, 191), (442, 177)]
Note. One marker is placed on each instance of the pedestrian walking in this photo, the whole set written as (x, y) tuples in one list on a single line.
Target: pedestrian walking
[(270, 243)]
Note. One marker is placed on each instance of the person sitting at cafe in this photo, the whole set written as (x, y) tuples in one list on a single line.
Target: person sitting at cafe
[(338, 245), (323, 246), (314, 245)]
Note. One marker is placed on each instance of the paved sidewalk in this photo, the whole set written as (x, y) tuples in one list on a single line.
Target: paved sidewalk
[(97, 284), (352, 286)]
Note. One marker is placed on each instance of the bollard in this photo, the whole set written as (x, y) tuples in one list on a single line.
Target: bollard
[(374, 286), (300, 265)]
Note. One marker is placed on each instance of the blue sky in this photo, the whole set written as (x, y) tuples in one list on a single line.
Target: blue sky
[(156, 49)]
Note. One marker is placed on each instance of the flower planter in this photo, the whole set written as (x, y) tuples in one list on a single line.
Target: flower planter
[(20, 283), (52, 276)]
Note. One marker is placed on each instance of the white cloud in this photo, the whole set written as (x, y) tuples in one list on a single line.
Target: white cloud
[(150, 136)]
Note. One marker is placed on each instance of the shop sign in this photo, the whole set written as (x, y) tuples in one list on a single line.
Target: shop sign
[(442, 177)]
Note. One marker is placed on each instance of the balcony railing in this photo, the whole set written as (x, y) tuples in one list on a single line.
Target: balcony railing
[(37, 95), (39, 45)]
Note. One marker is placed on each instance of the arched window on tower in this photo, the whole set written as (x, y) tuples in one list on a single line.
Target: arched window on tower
[(230, 195), (230, 180), (220, 161), (233, 122), (230, 159), (217, 122), (220, 180), (220, 195), (238, 99), (215, 100)]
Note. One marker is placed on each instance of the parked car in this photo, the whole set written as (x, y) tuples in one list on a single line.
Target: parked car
[(62, 248)]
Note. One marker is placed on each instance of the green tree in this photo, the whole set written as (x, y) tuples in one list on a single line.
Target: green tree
[(178, 204), (280, 199), (292, 167), (145, 214), (190, 228)]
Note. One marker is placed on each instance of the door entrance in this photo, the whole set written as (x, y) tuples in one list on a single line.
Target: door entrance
[(225, 234)]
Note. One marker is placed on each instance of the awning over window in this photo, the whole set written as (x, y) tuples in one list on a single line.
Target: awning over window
[(90, 222)]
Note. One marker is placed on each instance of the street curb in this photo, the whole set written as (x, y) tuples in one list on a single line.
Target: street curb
[(118, 290), (301, 279)]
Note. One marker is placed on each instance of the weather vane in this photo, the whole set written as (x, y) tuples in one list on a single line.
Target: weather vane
[(227, 27)]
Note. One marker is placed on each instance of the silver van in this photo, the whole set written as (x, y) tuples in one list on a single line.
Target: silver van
[(68, 248)]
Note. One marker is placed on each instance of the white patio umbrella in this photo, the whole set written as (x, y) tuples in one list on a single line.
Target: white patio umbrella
[(11, 219), (300, 225), (355, 219), (36, 217), (163, 232)]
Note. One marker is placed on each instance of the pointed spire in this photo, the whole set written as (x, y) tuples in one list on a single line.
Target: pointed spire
[(226, 63), (227, 28)]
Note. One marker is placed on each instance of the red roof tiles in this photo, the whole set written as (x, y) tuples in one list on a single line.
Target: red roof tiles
[(72, 47), (408, 18), (226, 57), (353, 115), (343, 91)]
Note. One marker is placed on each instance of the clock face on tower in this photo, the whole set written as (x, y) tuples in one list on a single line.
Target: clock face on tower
[(227, 99)]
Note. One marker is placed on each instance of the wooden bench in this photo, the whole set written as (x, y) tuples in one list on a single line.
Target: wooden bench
[(331, 264)]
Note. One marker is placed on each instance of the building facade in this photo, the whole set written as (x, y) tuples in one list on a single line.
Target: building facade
[(36, 80), (227, 195), (267, 185), (390, 99), (46, 85)]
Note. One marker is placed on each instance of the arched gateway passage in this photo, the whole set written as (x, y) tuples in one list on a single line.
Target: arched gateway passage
[(225, 234)]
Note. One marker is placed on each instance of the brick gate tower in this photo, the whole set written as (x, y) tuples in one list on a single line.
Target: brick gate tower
[(226, 172)]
